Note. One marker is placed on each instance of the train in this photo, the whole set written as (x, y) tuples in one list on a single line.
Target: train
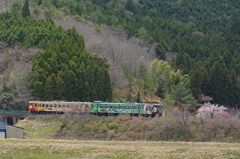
[(95, 108)]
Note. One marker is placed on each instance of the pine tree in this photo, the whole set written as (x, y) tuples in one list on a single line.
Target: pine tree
[(59, 87), (108, 87), (220, 83), (25, 10), (39, 2), (195, 83), (86, 92), (50, 88)]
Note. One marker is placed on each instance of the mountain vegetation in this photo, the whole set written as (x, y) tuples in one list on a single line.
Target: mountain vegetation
[(202, 35), (64, 70), (204, 39)]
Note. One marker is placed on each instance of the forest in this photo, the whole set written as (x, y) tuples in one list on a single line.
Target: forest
[(203, 37)]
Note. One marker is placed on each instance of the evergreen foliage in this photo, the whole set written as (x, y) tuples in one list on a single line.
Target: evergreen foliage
[(25, 10), (64, 70), (203, 34)]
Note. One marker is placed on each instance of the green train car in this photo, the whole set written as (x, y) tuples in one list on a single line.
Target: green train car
[(136, 109)]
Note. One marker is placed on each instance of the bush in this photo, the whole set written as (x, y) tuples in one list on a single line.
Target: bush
[(113, 126)]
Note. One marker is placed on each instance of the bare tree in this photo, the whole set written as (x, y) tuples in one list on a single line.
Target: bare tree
[(115, 46), (14, 76)]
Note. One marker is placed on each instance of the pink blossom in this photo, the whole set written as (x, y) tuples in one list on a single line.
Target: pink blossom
[(211, 111)]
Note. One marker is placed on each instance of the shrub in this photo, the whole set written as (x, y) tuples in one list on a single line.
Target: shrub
[(113, 126)]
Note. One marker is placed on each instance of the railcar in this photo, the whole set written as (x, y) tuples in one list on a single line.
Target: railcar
[(58, 107), (145, 109), (96, 108)]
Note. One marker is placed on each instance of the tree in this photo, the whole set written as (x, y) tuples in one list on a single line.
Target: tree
[(25, 10), (181, 95), (16, 6), (204, 98), (98, 29), (132, 7), (50, 88), (161, 51), (211, 111), (39, 2), (220, 83), (195, 83)]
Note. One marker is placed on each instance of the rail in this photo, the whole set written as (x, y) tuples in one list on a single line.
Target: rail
[(13, 112)]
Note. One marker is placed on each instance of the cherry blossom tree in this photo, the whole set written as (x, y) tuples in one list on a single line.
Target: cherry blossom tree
[(211, 111)]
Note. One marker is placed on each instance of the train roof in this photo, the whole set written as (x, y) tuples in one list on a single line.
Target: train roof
[(96, 102)]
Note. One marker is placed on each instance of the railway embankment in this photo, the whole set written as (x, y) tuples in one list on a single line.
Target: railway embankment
[(178, 127)]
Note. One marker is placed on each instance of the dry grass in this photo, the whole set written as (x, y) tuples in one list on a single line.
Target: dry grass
[(29, 148)]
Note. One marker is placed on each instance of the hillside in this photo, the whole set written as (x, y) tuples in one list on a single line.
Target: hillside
[(202, 38), (176, 125)]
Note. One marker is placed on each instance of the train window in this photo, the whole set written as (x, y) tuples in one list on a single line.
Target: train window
[(63, 106), (120, 107), (55, 105), (101, 106), (51, 105), (124, 107), (110, 107), (134, 107), (71, 106), (59, 106), (115, 107), (46, 105), (68, 106), (139, 107)]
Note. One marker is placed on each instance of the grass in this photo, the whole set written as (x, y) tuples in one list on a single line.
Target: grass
[(42, 148)]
